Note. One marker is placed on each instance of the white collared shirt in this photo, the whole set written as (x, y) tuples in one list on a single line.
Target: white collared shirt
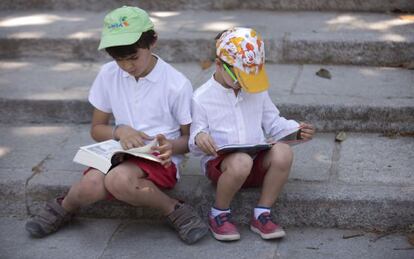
[(230, 119), (156, 104)]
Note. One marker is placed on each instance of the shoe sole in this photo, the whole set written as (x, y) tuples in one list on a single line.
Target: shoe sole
[(219, 237), (35, 231), (197, 236), (278, 234)]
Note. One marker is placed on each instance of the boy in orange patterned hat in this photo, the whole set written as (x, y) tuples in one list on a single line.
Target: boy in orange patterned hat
[(234, 107)]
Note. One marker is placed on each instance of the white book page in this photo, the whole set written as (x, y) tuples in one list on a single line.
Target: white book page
[(104, 149), (145, 149)]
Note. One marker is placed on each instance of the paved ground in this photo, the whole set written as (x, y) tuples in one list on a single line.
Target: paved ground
[(100, 238)]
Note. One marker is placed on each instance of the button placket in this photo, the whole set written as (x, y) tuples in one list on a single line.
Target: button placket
[(240, 121)]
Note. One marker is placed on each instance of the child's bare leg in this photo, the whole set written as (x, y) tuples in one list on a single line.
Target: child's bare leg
[(278, 162), (55, 214), (88, 190), (127, 183), (235, 169)]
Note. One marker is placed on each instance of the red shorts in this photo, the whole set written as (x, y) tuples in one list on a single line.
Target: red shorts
[(163, 178), (255, 178)]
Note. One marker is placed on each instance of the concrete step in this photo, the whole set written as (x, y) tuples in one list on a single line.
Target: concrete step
[(364, 182), (291, 37), (355, 98), (111, 238), (158, 5)]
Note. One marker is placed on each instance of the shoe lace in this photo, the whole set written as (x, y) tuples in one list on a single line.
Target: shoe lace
[(265, 217), (223, 218)]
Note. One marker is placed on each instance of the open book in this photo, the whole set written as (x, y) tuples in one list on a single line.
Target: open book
[(106, 154), (244, 148), (252, 149)]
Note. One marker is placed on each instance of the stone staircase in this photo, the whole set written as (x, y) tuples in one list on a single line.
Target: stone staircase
[(48, 60)]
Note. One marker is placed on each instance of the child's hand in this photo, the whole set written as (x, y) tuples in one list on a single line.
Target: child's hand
[(206, 143), (165, 149), (130, 138), (306, 131)]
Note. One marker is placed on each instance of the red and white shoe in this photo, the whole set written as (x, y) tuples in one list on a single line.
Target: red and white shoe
[(222, 228), (265, 227)]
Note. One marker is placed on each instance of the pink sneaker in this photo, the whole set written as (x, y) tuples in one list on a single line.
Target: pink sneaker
[(222, 229), (265, 227)]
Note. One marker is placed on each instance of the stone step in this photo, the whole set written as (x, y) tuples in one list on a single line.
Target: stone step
[(355, 98), (291, 37), (173, 5), (364, 182)]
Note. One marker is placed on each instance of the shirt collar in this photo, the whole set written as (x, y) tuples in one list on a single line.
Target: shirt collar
[(152, 76), (219, 87), (223, 89)]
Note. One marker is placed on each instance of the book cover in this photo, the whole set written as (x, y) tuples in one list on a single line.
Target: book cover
[(244, 148)]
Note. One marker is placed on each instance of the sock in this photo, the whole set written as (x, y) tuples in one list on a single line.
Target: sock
[(259, 210), (215, 212), (60, 200)]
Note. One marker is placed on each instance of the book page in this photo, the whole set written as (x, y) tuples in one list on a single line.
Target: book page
[(144, 149), (104, 149), (90, 159), (111, 152), (143, 152)]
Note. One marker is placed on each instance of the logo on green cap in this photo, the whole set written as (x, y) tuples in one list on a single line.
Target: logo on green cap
[(122, 23)]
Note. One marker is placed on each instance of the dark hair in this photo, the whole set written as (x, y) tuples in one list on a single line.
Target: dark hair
[(219, 35), (144, 42)]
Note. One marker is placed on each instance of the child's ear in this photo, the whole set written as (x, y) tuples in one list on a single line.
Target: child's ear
[(154, 41), (217, 61)]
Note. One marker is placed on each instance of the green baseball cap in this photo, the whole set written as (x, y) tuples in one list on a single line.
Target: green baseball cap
[(124, 26)]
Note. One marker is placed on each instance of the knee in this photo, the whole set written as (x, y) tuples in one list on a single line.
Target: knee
[(116, 182), (91, 188), (239, 166), (282, 156)]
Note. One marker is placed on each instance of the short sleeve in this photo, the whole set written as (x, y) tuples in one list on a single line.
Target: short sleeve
[(98, 94)]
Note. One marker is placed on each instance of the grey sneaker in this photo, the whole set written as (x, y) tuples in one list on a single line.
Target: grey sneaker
[(187, 223), (49, 220)]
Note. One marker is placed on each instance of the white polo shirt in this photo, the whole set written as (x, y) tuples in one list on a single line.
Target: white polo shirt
[(155, 104), (230, 119)]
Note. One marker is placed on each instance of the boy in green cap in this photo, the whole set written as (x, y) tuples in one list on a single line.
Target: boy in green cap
[(148, 99)]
